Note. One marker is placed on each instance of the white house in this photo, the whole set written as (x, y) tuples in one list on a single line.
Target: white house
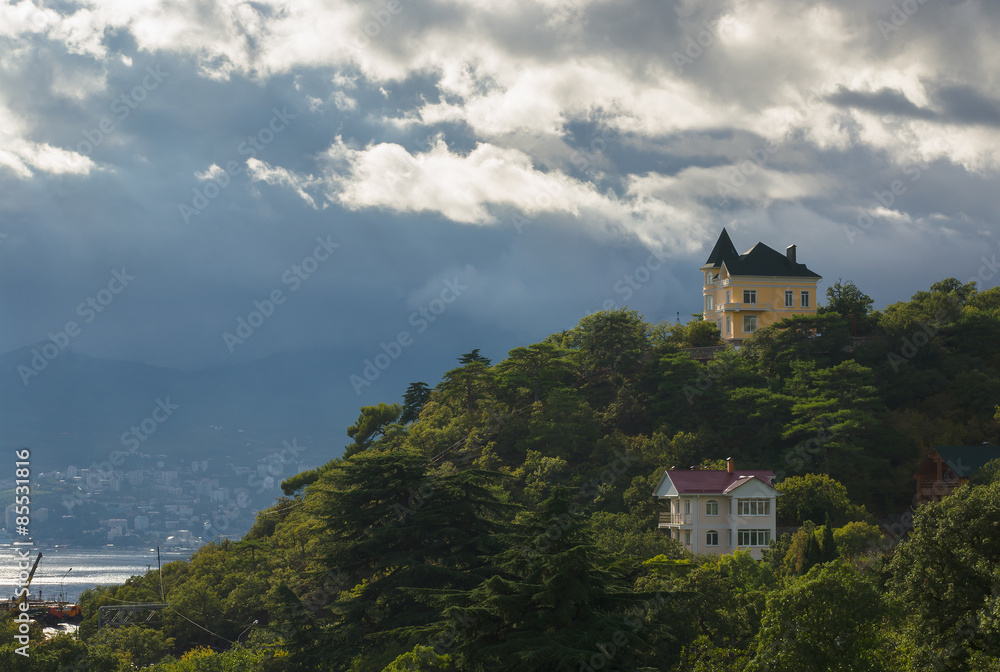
[(713, 511)]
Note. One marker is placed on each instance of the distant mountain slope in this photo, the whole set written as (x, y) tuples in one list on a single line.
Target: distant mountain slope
[(77, 408)]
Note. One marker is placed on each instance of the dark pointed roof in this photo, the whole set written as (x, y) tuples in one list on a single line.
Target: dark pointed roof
[(758, 260), (723, 251)]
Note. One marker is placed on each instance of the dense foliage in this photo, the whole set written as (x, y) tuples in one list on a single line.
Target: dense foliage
[(503, 519)]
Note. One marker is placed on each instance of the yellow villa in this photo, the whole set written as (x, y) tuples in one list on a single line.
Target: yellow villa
[(744, 292)]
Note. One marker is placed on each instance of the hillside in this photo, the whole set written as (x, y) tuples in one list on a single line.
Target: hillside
[(502, 519)]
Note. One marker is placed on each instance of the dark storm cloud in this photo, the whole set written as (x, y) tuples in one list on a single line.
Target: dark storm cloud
[(587, 93), (964, 104), (884, 101)]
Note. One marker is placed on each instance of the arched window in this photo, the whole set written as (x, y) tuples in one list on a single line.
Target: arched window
[(711, 538), (712, 507)]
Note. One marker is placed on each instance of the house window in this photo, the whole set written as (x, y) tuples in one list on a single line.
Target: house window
[(749, 296), (753, 537), (749, 323), (730, 537), (789, 298), (729, 298), (729, 324), (805, 299), (712, 538), (753, 507), (708, 277), (712, 508), (708, 303), (687, 506), (687, 537)]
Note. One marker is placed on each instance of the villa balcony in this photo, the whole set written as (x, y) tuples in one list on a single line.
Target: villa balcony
[(745, 307), (723, 521), (667, 518)]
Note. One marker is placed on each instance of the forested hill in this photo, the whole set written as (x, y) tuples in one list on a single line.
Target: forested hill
[(502, 519)]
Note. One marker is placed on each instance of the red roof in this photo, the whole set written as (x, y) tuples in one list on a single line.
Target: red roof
[(695, 481)]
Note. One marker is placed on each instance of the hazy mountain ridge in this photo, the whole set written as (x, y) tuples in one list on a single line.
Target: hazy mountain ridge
[(77, 408)]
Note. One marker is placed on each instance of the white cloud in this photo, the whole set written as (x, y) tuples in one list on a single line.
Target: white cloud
[(261, 172), (25, 157)]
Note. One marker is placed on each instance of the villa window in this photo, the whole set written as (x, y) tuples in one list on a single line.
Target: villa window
[(708, 303), (749, 296), (753, 537), (753, 507), (687, 537), (687, 506), (729, 324), (805, 299), (712, 538), (712, 508), (789, 298), (749, 323), (729, 296)]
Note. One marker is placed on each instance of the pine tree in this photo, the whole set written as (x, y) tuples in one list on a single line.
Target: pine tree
[(396, 528), (555, 604), (473, 356), (812, 556), (828, 546), (416, 396)]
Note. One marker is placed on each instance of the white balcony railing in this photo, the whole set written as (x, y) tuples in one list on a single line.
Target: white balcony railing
[(667, 518), (736, 307)]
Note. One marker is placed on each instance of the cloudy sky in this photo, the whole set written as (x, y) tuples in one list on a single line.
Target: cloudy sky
[(164, 165)]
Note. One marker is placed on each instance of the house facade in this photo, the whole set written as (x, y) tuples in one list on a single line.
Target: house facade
[(947, 467), (716, 511), (745, 292)]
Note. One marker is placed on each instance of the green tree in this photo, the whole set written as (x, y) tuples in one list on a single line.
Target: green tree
[(987, 474), (814, 497), (422, 659), (530, 373), (818, 338), (624, 535), (143, 646), (613, 339), (553, 606), (371, 425), (830, 619), (393, 527), (836, 410), (724, 598), (469, 382), (941, 305), (827, 543), (697, 333), (946, 576), (856, 537), (473, 356), (416, 396), (846, 300)]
